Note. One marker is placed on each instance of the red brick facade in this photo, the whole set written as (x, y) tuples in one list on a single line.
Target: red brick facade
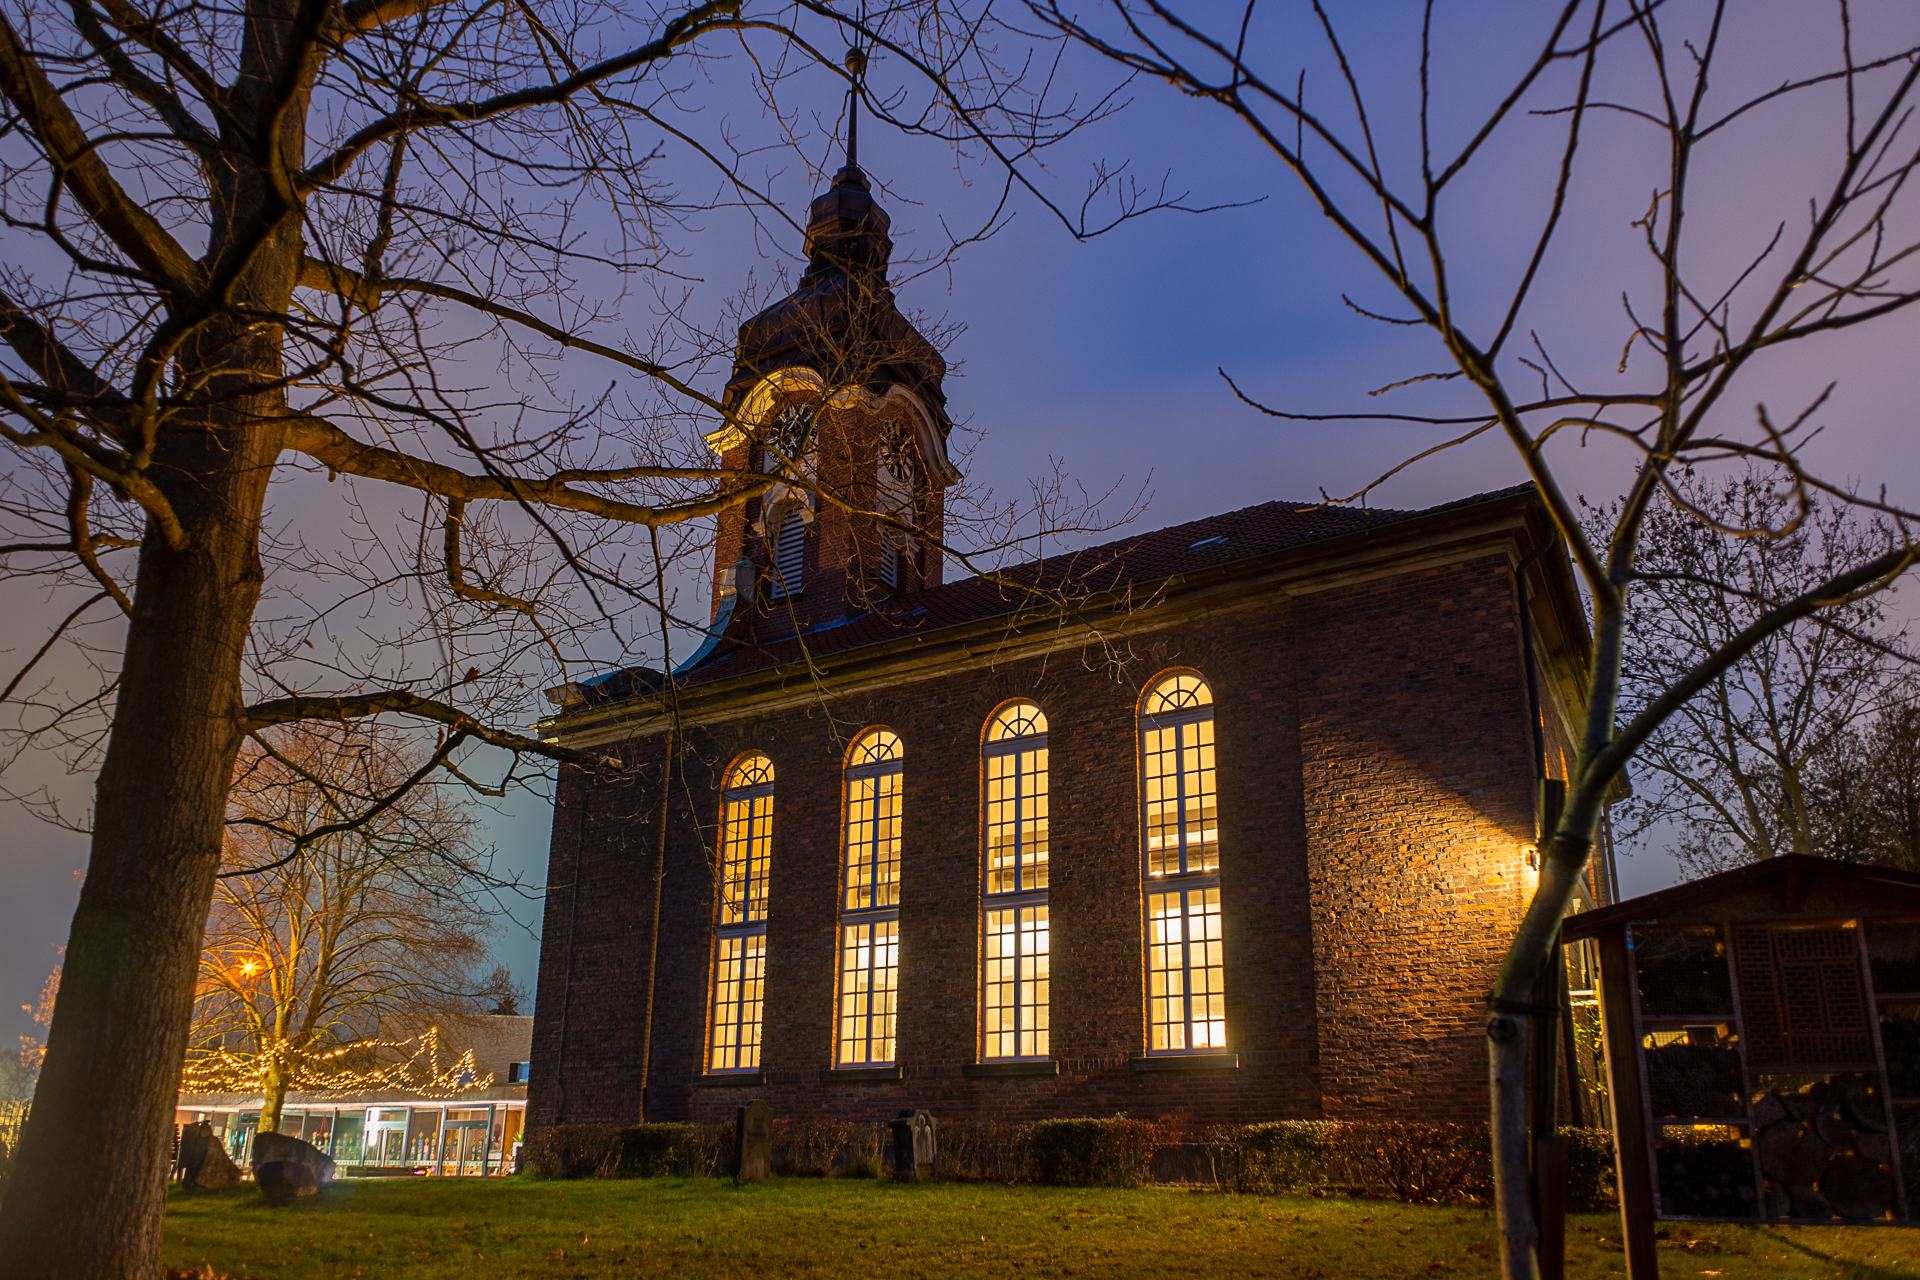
[(1375, 783)]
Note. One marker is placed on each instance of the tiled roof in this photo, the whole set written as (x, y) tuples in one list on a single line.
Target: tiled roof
[(1132, 562)]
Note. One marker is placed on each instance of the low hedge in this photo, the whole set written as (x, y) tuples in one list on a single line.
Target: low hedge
[(1416, 1163), (1092, 1153), (636, 1151)]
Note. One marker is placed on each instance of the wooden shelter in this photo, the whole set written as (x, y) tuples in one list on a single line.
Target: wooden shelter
[(1762, 1031)]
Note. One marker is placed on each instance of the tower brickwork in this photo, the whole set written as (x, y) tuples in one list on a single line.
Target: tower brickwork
[(838, 394)]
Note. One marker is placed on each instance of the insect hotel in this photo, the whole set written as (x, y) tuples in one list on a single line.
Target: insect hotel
[(1762, 1033)]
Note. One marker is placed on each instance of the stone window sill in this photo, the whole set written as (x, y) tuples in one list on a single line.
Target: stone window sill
[(856, 1075), (1002, 1070), (1188, 1062), (731, 1080)]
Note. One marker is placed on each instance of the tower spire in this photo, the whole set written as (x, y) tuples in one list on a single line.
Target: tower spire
[(856, 63)]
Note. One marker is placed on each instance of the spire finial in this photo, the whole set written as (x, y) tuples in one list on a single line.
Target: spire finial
[(856, 63)]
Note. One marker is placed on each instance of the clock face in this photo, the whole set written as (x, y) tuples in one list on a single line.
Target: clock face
[(790, 433), (896, 477)]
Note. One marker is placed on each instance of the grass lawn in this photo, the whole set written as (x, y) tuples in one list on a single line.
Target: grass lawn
[(418, 1228)]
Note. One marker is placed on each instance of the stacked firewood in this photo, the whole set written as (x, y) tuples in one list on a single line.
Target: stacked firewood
[(1825, 1150)]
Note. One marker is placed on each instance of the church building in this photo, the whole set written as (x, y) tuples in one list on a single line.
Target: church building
[(1228, 821)]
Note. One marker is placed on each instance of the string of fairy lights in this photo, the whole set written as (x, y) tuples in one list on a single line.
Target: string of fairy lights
[(218, 1070)]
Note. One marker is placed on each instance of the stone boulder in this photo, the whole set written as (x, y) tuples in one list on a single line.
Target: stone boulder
[(271, 1147), (284, 1181), (204, 1162)]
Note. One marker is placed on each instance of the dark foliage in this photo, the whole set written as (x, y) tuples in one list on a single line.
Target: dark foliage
[(1093, 1153)]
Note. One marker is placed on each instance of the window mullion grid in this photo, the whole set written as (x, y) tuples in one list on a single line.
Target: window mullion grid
[(868, 858), (1184, 884), (746, 833), (869, 972), (1020, 906), (1020, 956)]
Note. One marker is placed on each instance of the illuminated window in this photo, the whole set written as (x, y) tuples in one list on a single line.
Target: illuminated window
[(740, 949), (1176, 765), (1180, 835), (870, 902), (1014, 981), (1186, 1006), (1016, 838), (1015, 986)]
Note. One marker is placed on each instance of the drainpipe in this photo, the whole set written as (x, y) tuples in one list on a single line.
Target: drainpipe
[(653, 962), (573, 929)]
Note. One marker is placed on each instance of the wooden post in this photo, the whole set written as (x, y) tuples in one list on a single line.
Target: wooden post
[(1549, 1148), (1632, 1161)]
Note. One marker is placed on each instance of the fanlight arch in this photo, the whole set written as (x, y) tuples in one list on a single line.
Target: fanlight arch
[(1018, 719), (877, 745), (753, 769), (1174, 692)]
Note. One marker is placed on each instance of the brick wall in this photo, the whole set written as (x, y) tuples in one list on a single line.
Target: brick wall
[(1374, 788), (1414, 735)]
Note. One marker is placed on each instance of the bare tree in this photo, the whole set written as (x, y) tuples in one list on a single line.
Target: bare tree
[(1866, 795), (375, 928), (1409, 191), (1736, 773), (310, 327), (500, 994)]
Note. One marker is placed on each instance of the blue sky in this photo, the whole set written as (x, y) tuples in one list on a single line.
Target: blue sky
[(1103, 354)]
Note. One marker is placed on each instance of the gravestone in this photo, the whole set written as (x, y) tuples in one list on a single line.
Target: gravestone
[(269, 1147), (204, 1162), (912, 1145), (923, 1145), (752, 1142)]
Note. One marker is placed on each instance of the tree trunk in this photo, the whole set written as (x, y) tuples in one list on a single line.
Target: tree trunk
[(87, 1200), (273, 1097), (1563, 861)]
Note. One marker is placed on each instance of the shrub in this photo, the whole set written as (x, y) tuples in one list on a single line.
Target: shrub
[(1092, 1153), (862, 1167), (652, 1151), (1590, 1175), (1283, 1157), (808, 1148), (981, 1150), (1415, 1163), (568, 1150)]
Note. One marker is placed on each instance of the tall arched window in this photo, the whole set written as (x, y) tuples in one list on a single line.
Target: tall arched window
[(740, 946), (1180, 828), (1014, 965), (870, 902)]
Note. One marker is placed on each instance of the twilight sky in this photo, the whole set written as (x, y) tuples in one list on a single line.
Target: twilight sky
[(1102, 354)]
